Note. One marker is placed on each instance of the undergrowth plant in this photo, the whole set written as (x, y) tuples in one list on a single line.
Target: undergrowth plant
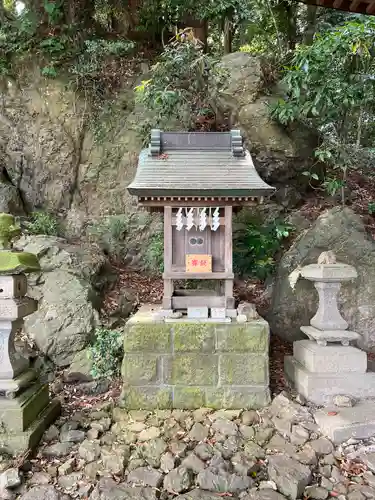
[(154, 254), (106, 353), (43, 223), (110, 234), (255, 245)]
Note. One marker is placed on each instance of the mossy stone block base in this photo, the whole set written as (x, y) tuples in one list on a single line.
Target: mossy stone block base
[(190, 365), (17, 443)]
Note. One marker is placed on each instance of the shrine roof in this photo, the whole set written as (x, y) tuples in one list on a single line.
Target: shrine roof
[(197, 164), (355, 6)]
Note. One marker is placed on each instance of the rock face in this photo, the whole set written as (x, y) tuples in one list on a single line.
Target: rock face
[(278, 153), (342, 231), (10, 201), (67, 294)]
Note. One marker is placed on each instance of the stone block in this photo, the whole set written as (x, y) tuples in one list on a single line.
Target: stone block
[(13, 286), (146, 398), (189, 398), (191, 369), (146, 314), (231, 313), (191, 337), (17, 414), (248, 337), (147, 338), (329, 359), (197, 312), (235, 398), (141, 369), (243, 369), (218, 312), (12, 309), (357, 422), (320, 388), (17, 443)]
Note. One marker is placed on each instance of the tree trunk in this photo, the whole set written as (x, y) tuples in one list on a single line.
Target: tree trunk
[(228, 35), (311, 19)]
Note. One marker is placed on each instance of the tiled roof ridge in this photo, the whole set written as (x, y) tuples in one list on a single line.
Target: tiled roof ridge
[(162, 142)]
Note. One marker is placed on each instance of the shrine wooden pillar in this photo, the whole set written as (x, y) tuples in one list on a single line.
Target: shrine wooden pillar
[(168, 283), (228, 256)]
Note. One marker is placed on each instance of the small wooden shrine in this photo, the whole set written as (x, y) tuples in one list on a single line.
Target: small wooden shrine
[(197, 178)]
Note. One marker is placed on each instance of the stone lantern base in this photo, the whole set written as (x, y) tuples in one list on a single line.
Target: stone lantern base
[(321, 372), (25, 419)]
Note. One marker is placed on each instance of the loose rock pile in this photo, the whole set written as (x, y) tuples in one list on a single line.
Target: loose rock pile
[(107, 453)]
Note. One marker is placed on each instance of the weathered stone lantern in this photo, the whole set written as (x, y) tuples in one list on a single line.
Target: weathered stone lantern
[(25, 407), (196, 350), (327, 365)]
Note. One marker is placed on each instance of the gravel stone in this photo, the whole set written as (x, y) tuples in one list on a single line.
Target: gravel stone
[(10, 478), (148, 434), (193, 463), (198, 432), (153, 450), (57, 450), (167, 462), (250, 417), (290, 476), (322, 446), (316, 492), (225, 427), (231, 483), (73, 436), (204, 451), (343, 401), (146, 476), (89, 450), (178, 480)]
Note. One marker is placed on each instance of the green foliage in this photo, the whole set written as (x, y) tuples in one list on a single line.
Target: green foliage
[(331, 88), (256, 244), (110, 234), (43, 223), (184, 86), (154, 254), (106, 353), (371, 208)]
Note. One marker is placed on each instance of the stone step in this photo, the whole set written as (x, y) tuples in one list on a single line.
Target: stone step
[(341, 424), (329, 359), (320, 388)]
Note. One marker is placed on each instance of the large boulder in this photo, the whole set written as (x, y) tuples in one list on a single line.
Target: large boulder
[(294, 302), (280, 154), (66, 289)]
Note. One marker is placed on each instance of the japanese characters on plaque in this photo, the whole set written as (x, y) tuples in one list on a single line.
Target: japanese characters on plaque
[(199, 218), (198, 263)]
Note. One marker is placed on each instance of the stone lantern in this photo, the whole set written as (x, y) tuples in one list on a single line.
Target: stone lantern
[(327, 365), (25, 406)]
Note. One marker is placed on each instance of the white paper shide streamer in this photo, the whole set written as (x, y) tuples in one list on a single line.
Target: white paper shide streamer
[(199, 218)]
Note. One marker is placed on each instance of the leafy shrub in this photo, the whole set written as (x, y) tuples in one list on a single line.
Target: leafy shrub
[(43, 223), (255, 246), (106, 353), (154, 255), (94, 69), (184, 86)]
